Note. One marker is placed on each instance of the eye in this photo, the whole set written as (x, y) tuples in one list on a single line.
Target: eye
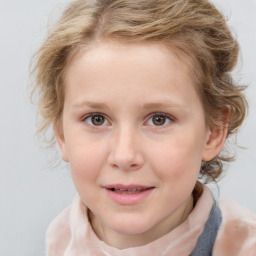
[(95, 120), (159, 119)]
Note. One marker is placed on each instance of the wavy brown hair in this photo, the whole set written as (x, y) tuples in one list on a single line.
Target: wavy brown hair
[(194, 28)]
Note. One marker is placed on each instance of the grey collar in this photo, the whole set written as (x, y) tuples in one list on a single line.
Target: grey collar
[(206, 240)]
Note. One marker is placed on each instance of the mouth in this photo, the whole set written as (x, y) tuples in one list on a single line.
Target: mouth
[(128, 194), (128, 191)]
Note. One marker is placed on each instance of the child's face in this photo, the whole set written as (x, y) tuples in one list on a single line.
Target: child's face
[(134, 135)]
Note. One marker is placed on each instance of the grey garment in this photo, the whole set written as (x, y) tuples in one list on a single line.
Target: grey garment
[(206, 240)]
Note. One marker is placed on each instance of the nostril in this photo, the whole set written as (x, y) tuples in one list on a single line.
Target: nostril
[(125, 160)]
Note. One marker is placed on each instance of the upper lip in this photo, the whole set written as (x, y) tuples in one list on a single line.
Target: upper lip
[(126, 187)]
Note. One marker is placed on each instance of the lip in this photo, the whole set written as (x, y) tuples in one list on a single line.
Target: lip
[(128, 196)]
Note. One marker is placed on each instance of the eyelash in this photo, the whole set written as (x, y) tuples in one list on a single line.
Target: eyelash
[(85, 118), (155, 114), (166, 116)]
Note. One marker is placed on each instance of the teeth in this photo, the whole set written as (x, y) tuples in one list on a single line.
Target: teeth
[(128, 191)]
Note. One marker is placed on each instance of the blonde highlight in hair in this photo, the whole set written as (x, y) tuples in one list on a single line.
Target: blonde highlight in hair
[(194, 28)]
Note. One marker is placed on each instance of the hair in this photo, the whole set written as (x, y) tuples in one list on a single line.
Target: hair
[(194, 28)]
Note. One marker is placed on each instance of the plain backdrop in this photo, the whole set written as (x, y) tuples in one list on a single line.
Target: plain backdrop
[(32, 193)]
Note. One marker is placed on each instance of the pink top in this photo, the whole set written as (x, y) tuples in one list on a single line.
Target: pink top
[(70, 233)]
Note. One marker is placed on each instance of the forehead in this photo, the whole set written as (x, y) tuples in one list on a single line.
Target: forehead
[(106, 47), (156, 54), (145, 68)]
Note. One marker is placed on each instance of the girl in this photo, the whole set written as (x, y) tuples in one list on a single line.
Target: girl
[(141, 100)]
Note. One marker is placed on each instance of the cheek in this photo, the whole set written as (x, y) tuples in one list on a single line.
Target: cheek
[(85, 168), (85, 161), (177, 158)]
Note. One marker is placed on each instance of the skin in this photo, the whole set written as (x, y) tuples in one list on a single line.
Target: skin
[(125, 86)]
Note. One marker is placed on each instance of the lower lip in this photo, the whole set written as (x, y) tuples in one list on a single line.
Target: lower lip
[(129, 199)]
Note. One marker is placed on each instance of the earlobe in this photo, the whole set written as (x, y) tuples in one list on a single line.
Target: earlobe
[(215, 141), (217, 135), (62, 147), (61, 142)]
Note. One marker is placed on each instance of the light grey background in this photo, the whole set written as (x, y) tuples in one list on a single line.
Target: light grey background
[(31, 193)]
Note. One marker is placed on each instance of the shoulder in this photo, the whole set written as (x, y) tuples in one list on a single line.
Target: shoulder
[(237, 233), (58, 234)]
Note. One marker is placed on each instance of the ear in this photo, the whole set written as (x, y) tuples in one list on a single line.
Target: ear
[(59, 135), (216, 137)]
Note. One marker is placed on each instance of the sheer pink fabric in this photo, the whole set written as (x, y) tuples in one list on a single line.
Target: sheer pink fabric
[(237, 235), (70, 233)]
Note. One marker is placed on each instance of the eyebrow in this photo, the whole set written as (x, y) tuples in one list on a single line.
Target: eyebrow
[(94, 105), (153, 105), (161, 105)]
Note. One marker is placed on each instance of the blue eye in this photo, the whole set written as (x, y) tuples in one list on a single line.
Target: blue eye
[(160, 119), (96, 120)]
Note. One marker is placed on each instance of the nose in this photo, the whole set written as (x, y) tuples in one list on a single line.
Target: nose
[(126, 150)]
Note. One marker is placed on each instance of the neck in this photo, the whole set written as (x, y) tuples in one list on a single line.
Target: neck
[(123, 241)]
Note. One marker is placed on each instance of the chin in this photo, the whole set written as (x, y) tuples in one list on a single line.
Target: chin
[(131, 226)]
